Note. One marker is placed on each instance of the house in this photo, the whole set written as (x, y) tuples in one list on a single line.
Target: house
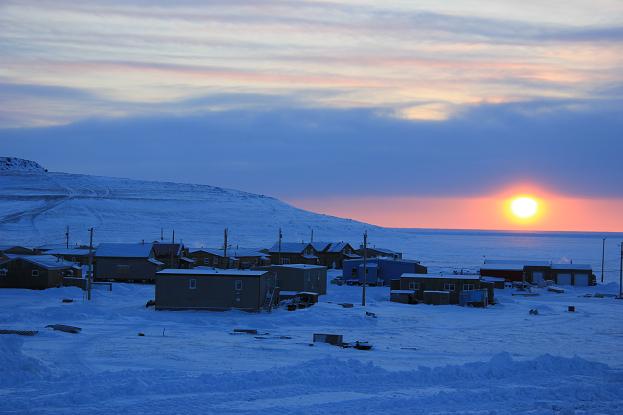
[(242, 258), (294, 253), (446, 289), (332, 254), (35, 271), (79, 255), (213, 289), (537, 272), (374, 252), (380, 270), (171, 255), (300, 277), (126, 262)]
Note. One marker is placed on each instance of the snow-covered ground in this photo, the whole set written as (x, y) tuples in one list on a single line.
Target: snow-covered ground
[(426, 359)]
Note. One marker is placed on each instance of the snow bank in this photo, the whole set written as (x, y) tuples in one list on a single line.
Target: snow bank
[(501, 385), (16, 367)]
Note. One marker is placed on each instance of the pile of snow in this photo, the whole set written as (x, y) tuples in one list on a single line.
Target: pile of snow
[(14, 164), (17, 367)]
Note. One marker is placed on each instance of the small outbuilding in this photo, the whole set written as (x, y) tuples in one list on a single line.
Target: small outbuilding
[(300, 277), (214, 289), (126, 262), (380, 271), (36, 271)]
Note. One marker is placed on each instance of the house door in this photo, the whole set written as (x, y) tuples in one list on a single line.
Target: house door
[(563, 279), (581, 280), (537, 278)]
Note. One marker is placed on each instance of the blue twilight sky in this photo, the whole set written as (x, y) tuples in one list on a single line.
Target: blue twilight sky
[(307, 99)]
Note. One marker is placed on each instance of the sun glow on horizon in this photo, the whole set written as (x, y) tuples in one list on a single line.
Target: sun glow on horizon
[(524, 207)]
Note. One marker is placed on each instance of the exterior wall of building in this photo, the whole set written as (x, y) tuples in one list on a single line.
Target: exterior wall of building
[(383, 269), (174, 292), (291, 258), (124, 269), (580, 277), (508, 275), (19, 275), (453, 285), (301, 279)]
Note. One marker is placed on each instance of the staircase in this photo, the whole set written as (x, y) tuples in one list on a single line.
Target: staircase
[(269, 300)]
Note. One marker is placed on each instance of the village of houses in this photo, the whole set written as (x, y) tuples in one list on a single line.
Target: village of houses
[(290, 275)]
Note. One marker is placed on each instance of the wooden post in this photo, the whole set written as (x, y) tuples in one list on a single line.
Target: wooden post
[(365, 268), (90, 274), (279, 256), (225, 249), (67, 237)]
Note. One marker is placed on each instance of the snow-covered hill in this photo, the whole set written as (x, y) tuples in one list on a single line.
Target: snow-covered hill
[(36, 208)]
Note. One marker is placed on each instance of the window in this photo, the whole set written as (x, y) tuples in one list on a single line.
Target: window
[(206, 261), (413, 285), (353, 272), (215, 261), (238, 285), (285, 261), (192, 284), (35, 273), (468, 287), (449, 287), (4, 272)]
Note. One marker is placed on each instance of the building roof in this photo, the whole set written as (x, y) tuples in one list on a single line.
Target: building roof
[(68, 251), (299, 266), (44, 261), (522, 262), (7, 247), (502, 267), (212, 272), (402, 292), (436, 277), (493, 279), (231, 252), (320, 246), (162, 249), (138, 250), (382, 250), (583, 267), (290, 247)]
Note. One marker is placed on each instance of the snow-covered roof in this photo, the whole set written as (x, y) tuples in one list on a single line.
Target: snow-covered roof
[(583, 267), (383, 250), (402, 292), (529, 263), (44, 261), (290, 247), (299, 266), (502, 267), (155, 261), (320, 246), (493, 279), (7, 247), (137, 250), (436, 292), (435, 277), (212, 272), (231, 252), (68, 251)]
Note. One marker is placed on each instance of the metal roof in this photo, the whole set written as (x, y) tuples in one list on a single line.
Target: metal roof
[(301, 266), (70, 251), (212, 272), (290, 247), (583, 267), (529, 263), (44, 261), (139, 250), (435, 277)]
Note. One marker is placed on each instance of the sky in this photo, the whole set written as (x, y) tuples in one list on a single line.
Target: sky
[(404, 114)]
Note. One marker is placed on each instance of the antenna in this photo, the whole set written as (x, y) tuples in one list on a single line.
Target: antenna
[(67, 237), (90, 276), (225, 248)]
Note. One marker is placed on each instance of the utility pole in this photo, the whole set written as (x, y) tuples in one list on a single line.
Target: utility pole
[(365, 268), (603, 254), (90, 276), (67, 237), (279, 256), (172, 248), (162, 234), (312, 236), (621, 275), (225, 249)]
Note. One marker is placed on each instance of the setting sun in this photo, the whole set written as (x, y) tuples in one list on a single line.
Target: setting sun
[(524, 207)]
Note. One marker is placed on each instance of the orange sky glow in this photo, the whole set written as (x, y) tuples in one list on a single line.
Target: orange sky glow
[(555, 212)]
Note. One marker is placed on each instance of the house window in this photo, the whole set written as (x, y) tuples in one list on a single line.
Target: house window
[(285, 261), (468, 287), (353, 272), (192, 284), (4, 272), (35, 273), (413, 285), (215, 261), (206, 261), (449, 287), (238, 285)]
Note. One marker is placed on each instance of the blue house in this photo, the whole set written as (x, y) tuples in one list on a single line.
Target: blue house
[(380, 270)]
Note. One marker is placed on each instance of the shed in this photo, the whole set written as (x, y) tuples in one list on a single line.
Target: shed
[(213, 289), (126, 262), (300, 277), (35, 271), (402, 296)]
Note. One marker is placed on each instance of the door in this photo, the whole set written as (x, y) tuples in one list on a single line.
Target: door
[(537, 278), (563, 279), (581, 280)]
